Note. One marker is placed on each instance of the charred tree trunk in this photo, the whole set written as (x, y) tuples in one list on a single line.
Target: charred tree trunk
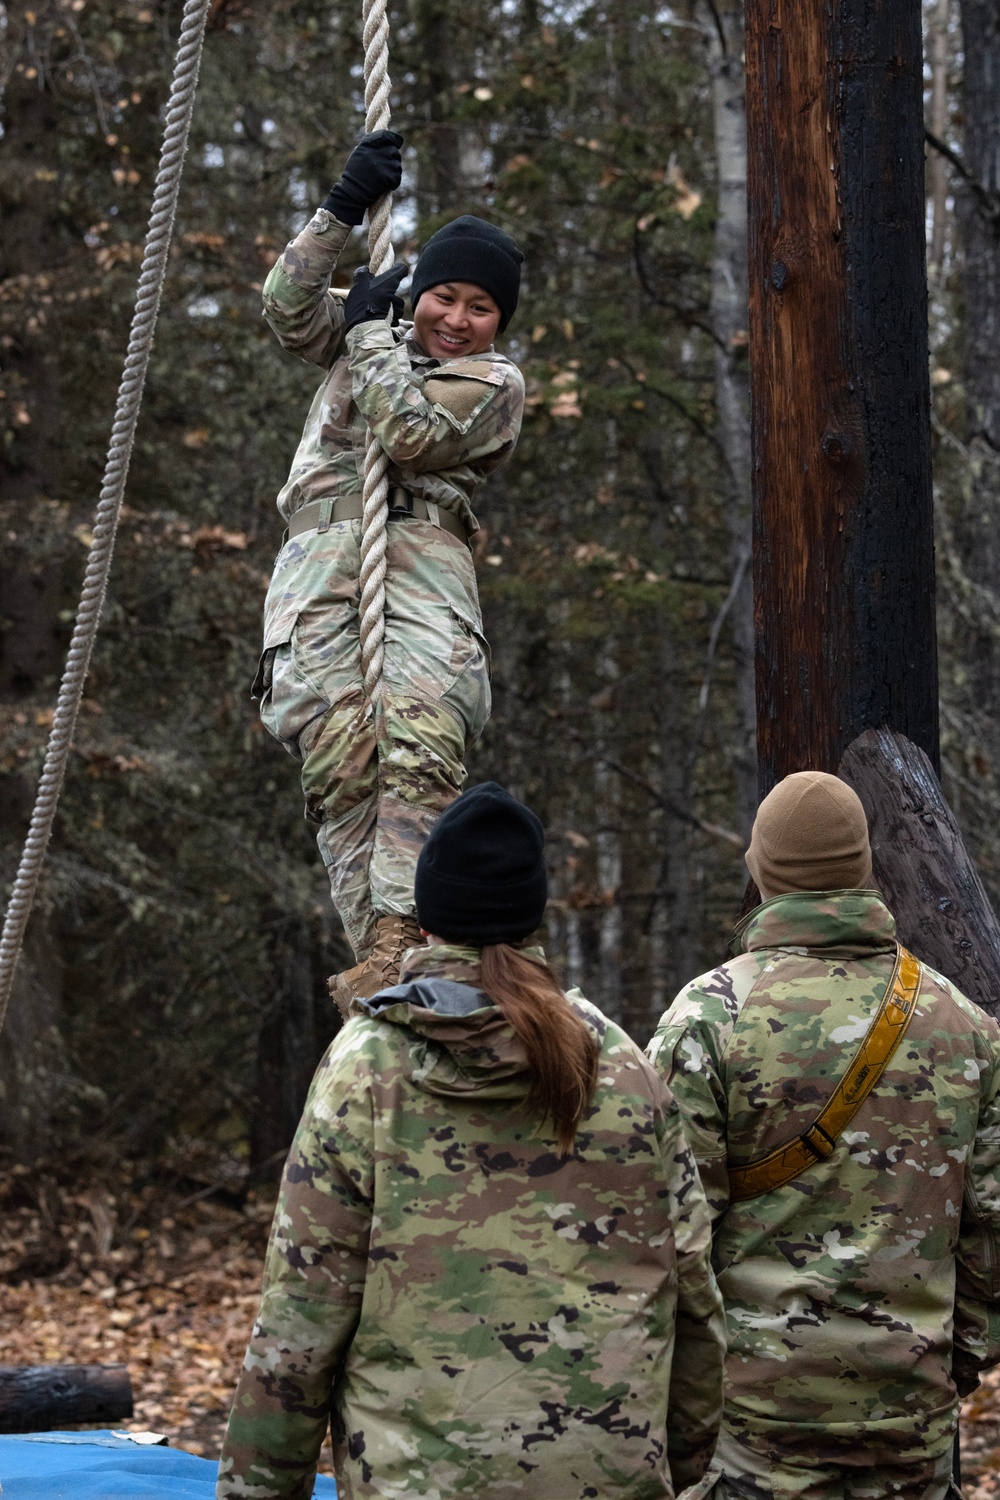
[(843, 538), (977, 527), (981, 236), (843, 521)]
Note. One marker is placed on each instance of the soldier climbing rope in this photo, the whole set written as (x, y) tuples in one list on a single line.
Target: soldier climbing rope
[(180, 108), (405, 748)]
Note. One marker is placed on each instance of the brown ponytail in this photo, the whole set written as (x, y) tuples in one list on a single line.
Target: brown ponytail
[(562, 1050)]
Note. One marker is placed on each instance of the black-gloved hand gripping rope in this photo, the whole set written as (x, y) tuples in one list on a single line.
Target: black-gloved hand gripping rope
[(374, 168), (373, 297)]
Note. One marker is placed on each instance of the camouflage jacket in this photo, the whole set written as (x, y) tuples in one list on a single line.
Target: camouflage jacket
[(479, 1314), (843, 1287), (445, 424)]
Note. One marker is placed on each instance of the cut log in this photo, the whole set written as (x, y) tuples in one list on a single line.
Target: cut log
[(39, 1398), (921, 865)]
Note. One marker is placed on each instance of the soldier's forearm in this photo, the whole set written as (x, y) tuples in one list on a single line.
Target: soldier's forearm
[(297, 303)]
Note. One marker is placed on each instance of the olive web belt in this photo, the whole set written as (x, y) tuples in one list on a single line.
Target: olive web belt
[(887, 1029), (319, 515)]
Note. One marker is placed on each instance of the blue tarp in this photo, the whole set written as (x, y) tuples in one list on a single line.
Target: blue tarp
[(100, 1466)]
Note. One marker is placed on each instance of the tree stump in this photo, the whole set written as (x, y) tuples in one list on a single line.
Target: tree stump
[(39, 1398), (921, 865)]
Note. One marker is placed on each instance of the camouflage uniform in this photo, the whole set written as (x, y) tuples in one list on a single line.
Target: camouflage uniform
[(376, 784), (855, 1291), (481, 1315)]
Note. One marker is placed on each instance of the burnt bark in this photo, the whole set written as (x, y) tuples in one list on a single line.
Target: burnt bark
[(843, 536), (921, 865), (38, 1398), (981, 239), (977, 527)]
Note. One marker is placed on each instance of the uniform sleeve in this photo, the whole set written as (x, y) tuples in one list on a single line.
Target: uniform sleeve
[(314, 1278), (451, 418), (298, 304), (686, 1049), (694, 1410), (977, 1289)]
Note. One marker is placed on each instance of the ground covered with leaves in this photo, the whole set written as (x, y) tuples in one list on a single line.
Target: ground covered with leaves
[(155, 1268), (158, 1268)]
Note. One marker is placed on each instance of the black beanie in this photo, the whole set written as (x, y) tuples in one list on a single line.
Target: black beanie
[(481, 874), (470, 249)]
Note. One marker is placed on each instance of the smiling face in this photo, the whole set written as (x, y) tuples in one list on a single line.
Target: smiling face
[(454, 319)]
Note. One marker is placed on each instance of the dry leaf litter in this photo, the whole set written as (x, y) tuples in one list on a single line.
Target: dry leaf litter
[(161, 1277)]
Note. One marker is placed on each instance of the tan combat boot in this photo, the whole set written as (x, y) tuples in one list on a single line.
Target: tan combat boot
[(393, 935)]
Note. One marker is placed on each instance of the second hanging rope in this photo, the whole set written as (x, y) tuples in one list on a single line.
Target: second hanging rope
[(376, 481)]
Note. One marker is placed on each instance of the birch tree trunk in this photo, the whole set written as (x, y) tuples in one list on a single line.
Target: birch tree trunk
[(723, 21), (937, 168)]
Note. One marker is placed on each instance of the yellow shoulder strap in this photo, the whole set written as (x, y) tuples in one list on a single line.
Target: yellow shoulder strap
[(887, 1029)]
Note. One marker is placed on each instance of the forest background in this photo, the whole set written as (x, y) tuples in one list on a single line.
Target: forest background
[(171, 1002)]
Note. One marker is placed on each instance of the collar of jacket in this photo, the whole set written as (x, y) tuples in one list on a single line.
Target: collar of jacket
[(836, 924)]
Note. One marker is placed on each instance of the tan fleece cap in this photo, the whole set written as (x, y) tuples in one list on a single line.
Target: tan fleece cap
[(810, 834)]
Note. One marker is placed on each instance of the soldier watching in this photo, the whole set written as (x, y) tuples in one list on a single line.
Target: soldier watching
[(490, 1256), (857, 1224), (446, 408)]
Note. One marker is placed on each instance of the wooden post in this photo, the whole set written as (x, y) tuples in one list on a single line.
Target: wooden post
[(843, 519), (843, 527)]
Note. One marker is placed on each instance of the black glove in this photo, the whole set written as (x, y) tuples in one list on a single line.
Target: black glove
[(373, 297), (374, 168)]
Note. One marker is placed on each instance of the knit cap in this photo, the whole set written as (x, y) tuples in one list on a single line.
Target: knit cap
[(471, 249), (810, 834), (481, 874)]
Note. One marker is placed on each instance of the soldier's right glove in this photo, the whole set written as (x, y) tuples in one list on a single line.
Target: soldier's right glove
[(373, 297), (374, 168)]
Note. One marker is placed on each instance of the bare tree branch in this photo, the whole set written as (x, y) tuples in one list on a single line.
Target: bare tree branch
[(987, 201)]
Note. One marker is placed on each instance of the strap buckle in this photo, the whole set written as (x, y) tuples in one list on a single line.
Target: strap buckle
[(400, 501), (816, 1140)]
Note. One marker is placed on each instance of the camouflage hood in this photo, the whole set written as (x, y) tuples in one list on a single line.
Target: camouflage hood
[(833, 924), (461, 1042)]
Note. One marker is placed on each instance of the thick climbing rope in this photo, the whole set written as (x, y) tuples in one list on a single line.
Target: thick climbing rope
[(154, 267), (376, 482)]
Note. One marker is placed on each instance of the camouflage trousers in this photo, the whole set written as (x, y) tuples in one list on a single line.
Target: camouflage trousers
[(375, 782), (737, 1473)]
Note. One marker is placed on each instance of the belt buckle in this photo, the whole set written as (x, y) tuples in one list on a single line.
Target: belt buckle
[(400, 503)]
